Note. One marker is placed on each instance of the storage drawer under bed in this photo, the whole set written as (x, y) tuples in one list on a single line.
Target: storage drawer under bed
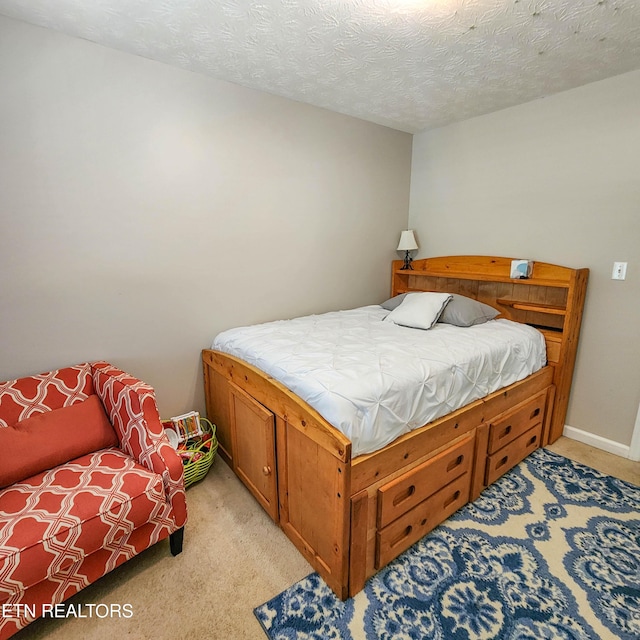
[(413, 525), (507, 427), (509, 456), (417, 501), (402, 494)]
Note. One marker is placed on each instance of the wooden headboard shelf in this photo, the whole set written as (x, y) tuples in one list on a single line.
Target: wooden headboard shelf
[(551, 300), (482, 277), (538, 307)]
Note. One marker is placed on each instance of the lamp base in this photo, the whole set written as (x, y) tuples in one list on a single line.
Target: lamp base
[(407, 262)]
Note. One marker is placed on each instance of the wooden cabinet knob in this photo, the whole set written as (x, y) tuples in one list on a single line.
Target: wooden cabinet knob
[(266, 471)]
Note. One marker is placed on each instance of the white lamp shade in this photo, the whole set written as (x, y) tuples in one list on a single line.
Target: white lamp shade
[(407, 241)]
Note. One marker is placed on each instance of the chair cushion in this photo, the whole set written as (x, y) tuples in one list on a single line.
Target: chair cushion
[(52, 438), (52, 521)]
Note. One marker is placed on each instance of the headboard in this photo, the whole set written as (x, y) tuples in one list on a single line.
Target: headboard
[(551, 300)]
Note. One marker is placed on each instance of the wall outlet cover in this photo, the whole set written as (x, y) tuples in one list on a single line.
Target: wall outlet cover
[(619, 271)]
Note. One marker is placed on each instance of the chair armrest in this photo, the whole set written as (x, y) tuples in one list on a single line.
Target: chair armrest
[(132, 410)]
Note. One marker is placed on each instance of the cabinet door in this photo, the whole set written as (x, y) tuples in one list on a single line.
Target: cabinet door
[(254, 449)]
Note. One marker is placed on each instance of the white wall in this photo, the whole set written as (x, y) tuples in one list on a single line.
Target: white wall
[(143, 209), (555, 180)]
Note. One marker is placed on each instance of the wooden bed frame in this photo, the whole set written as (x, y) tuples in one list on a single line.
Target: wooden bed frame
[(350, 516)]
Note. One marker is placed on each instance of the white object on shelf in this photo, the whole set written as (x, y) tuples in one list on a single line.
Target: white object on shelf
[(521, 269)]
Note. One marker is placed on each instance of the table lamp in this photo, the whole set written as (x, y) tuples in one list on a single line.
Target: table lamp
[(407, 243)]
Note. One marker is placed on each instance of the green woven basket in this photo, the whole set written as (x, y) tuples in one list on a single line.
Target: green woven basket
[(201, 454)]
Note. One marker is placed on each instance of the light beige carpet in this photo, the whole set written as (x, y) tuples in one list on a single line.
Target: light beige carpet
[(234, 559)]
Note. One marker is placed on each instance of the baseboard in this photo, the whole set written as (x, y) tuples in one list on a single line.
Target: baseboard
[(610, 446)]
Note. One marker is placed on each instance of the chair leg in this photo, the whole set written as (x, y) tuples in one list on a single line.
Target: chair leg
[(175, 541)]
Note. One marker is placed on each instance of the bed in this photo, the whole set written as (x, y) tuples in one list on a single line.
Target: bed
[(351, 502)]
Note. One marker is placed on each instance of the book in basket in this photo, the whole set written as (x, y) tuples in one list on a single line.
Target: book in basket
[(187, 426)]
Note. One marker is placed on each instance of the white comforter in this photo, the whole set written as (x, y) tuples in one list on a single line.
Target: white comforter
[(374, 380)]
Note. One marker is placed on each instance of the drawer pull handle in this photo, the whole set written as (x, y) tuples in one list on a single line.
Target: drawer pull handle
[(505, 432), (502, 462), (451, 499), (535, 412), (532, 440), (402, 536), (401, 497), (455, 463), (266, 471)]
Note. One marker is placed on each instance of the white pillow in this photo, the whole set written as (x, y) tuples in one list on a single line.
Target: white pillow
[(419, 310)]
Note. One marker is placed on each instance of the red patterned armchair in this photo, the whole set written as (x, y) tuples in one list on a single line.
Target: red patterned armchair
[(87, 480)]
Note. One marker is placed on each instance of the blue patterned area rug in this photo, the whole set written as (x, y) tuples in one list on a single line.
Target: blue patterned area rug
[(551, 550)]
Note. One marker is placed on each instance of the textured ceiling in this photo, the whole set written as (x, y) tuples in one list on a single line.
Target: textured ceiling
[(408, 64)]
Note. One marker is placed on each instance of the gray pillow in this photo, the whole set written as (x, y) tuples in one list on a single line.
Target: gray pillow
[(465, 312), (394, 302)]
